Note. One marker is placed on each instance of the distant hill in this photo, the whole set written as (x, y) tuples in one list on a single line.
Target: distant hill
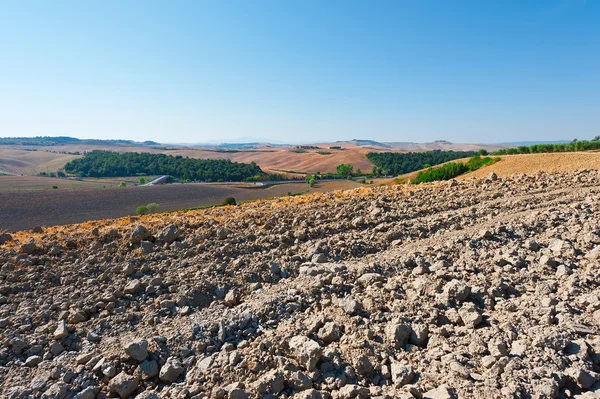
[(65, 140), (528, 143)]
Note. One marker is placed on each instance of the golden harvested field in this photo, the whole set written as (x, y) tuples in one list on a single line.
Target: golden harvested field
[(532, 163), (31, 162)]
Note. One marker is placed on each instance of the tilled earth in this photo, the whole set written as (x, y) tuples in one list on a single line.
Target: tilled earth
[(476, 289)]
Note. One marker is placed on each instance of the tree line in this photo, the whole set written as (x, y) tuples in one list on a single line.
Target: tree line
[(452, 169), (573, 146), (398, 163), (113, 164)]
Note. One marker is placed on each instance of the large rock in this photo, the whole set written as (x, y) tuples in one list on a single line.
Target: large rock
[(29, 246), (137, 350), (402, 374), (123, 384), (139, 234), (441, 392), (171, 370), (456, 291), (306, 351), (397, 333)]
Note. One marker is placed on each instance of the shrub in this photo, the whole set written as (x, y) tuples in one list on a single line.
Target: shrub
[(55, 187), (152, 207), (141, 210), (122, 184), (229, 201)]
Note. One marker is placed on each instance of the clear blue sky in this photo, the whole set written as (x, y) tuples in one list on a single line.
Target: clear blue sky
[(301, 70)]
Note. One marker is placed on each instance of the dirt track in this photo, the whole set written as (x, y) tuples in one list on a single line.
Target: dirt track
[(25, 209)]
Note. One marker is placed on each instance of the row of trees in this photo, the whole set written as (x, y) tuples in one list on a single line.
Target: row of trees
[(396, 163), (452, 169), (112, 164), (573, 146)]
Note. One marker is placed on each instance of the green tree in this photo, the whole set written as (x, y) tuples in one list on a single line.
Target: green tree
[(310, 180), (122, 184), (141, 210), (344, 170), (152, 207)]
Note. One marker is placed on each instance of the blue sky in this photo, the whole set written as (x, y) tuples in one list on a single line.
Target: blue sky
[(301, 70)]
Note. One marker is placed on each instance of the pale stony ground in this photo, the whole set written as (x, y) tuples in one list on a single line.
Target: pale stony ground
[(474, 289)]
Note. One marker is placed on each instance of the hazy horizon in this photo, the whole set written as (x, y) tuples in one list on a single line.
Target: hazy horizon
[(301, 72)]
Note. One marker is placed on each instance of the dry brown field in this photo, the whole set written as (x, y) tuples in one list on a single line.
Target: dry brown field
[(25, 209)]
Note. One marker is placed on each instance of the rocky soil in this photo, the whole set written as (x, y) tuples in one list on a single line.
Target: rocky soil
[(476, 289)]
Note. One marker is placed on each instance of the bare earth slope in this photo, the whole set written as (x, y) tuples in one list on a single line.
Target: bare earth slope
[(532, 163), (475, 289)]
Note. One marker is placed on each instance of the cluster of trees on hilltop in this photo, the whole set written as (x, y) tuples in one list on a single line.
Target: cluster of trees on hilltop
[(397, 163), (573, 146), (113, 164)]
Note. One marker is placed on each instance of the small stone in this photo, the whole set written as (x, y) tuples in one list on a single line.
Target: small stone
[(518, 348), (61, 331), (33, 361), (56, 348), (222, 233), (350, 305), (84, 357), (470, 315), (75, 318), (18, 345), (132, 287), (232, 298)]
